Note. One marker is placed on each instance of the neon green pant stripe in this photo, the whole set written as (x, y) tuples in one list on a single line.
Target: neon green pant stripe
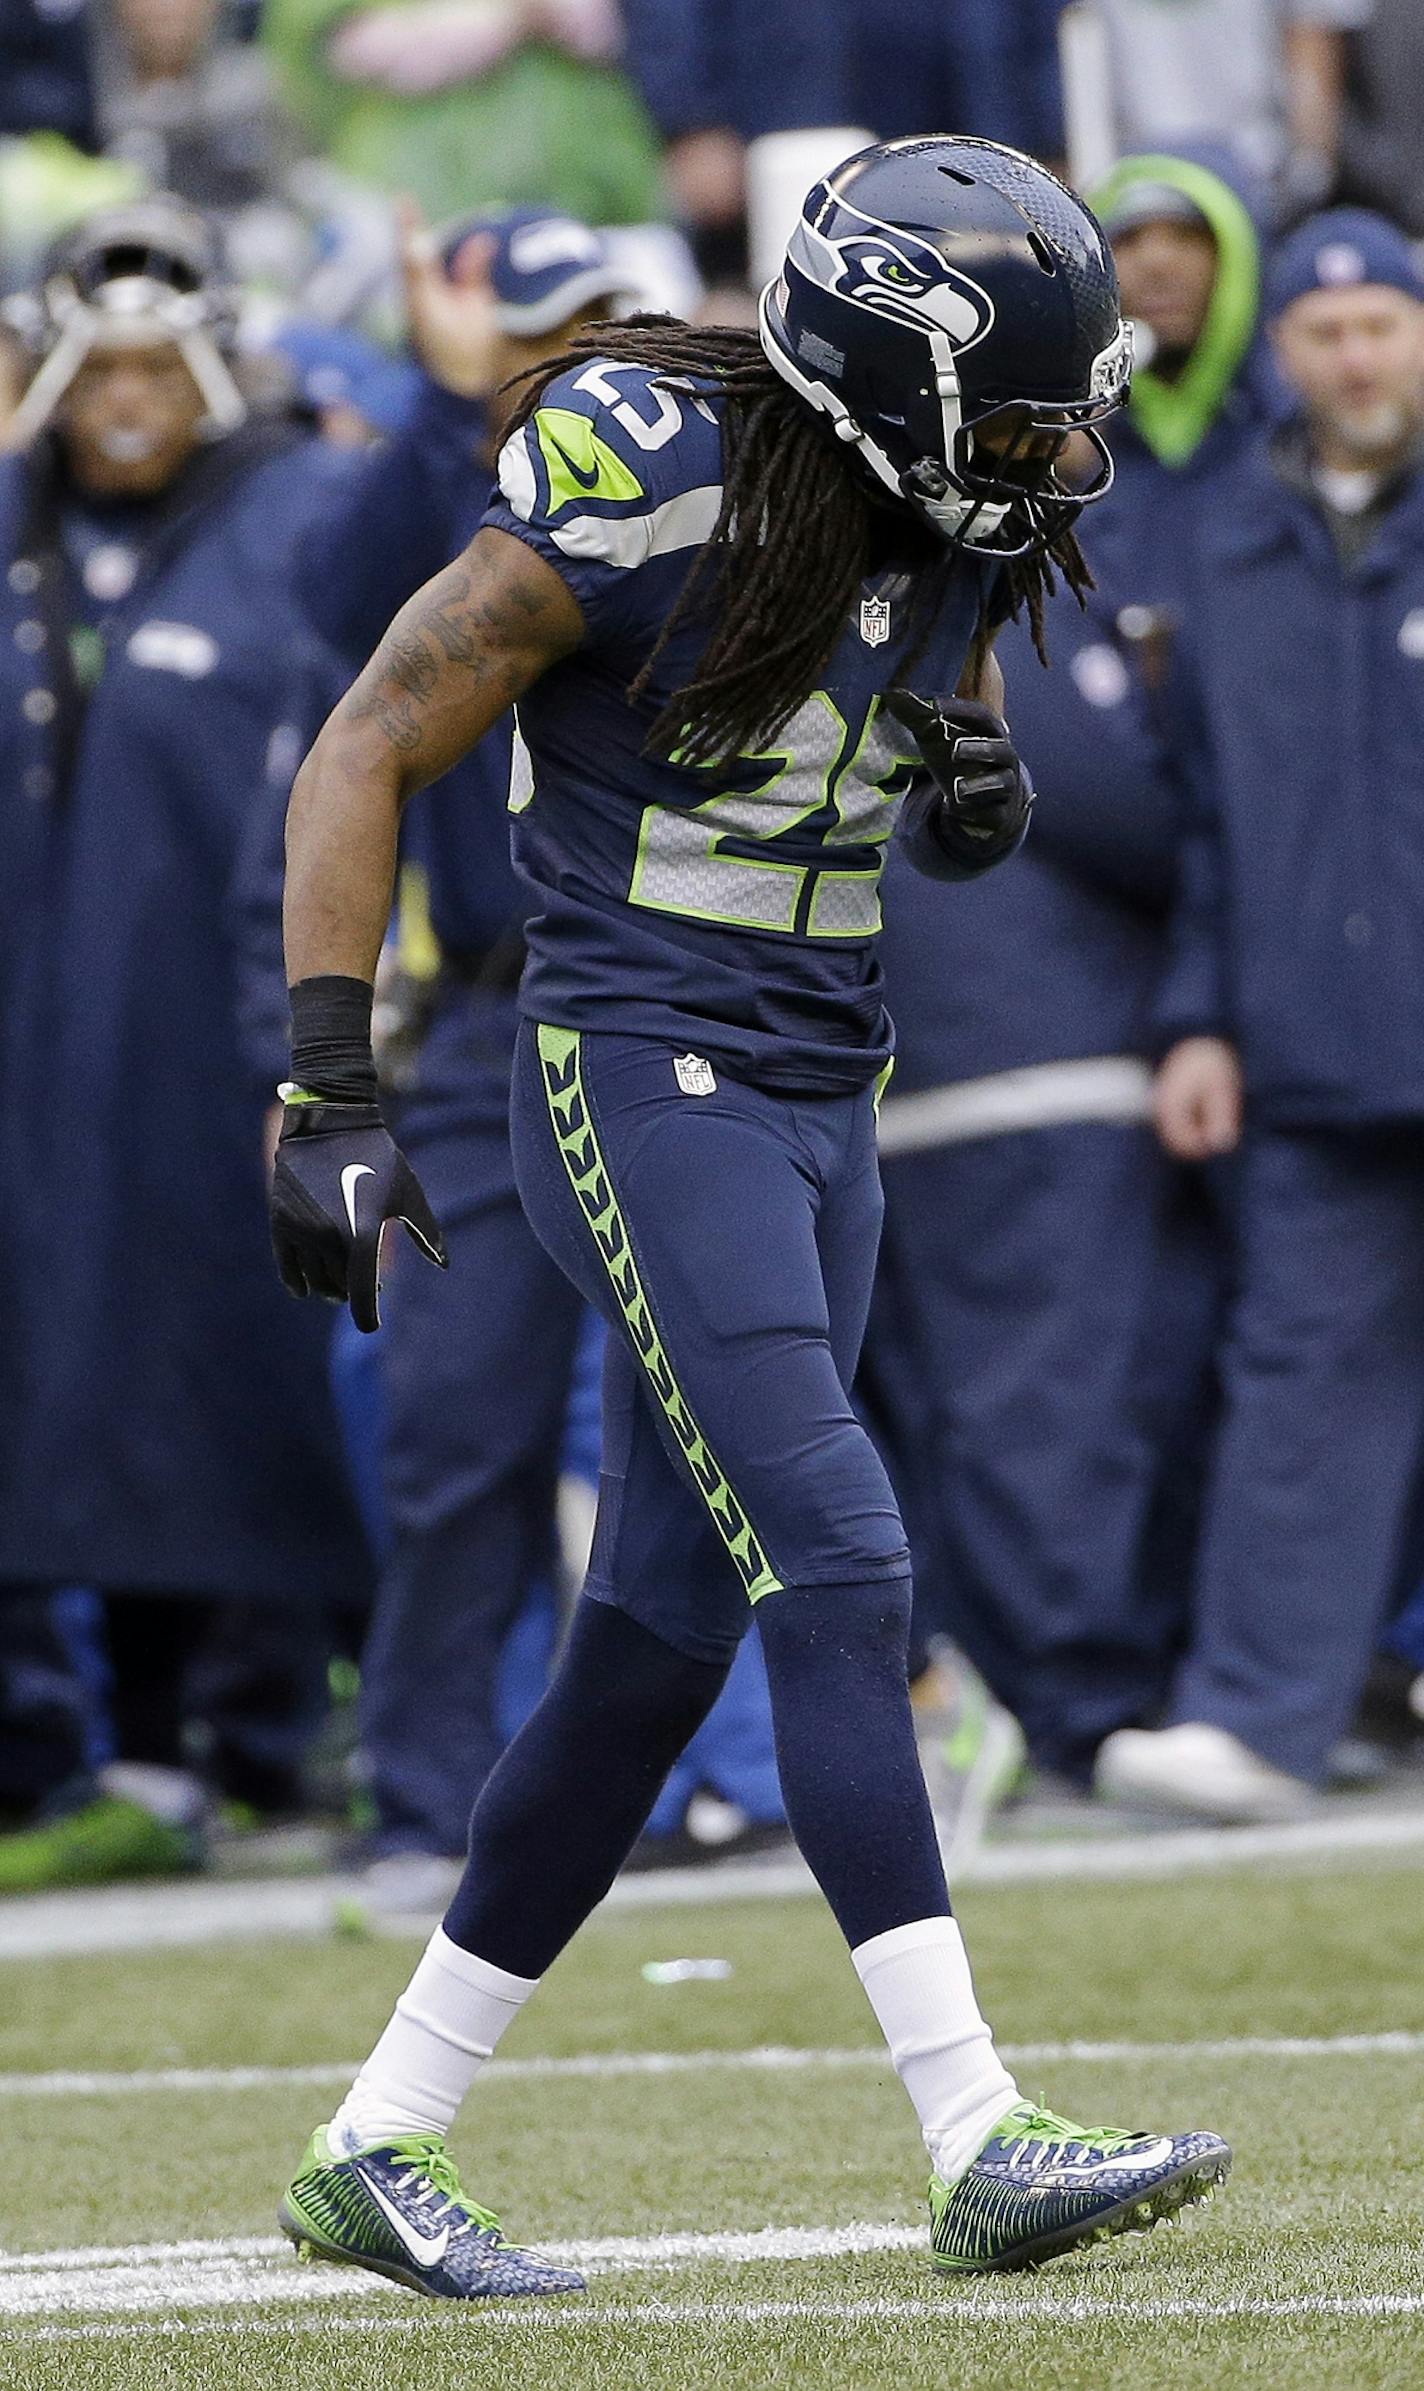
[(561, 1062)]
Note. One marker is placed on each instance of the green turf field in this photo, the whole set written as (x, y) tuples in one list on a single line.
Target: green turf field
[(136, 2220)]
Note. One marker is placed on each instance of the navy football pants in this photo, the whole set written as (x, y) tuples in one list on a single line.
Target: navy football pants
[(729, 1237), (730, 1241)]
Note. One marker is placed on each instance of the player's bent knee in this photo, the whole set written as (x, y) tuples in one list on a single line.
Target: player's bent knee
[(867, 1618)]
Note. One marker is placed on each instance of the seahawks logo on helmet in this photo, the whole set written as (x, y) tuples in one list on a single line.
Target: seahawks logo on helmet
[(893, 273)]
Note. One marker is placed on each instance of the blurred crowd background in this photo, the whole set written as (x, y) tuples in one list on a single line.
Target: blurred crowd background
[(1147, 1356)]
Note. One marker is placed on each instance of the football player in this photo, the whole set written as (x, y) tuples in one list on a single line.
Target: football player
[(743, 591)]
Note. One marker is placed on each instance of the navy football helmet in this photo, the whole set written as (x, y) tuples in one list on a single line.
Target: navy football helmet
[(953, 308)]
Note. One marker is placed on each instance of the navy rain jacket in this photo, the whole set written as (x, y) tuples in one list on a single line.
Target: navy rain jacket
[(766, 66), (1300, 926), (164, 1416), (1056, 954)]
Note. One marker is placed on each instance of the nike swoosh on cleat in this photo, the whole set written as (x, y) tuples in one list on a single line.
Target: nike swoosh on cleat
[(353, 1172), (1132, 2162), (427, 2250)]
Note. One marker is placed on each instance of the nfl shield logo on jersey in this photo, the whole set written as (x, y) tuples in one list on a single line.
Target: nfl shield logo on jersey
[(875, 621), (695, 1075)]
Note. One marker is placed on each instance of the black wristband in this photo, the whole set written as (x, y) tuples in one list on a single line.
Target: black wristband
[(331, 1038)]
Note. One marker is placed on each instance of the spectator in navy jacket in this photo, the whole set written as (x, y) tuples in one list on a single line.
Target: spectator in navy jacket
[(719, 75), (167, 1434), (45, 84), (477, 1393), (1295, 1006), (1036, 1237)]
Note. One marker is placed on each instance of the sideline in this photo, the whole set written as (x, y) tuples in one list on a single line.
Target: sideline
[(153, 1917)]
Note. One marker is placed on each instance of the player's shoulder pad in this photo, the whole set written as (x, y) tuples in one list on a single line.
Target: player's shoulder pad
[(616, 465)]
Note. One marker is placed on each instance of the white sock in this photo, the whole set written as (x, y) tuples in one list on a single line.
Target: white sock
[(917, 1981), (446, 2025)]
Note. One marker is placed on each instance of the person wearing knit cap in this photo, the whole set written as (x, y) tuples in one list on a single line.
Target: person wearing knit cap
[(1292, 1025), (1342, 249)]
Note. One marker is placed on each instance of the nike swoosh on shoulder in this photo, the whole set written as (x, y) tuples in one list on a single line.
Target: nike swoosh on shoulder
[(351, 1177), (427, 2250), (585, 480)]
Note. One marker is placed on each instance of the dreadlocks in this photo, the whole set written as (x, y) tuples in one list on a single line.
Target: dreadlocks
[(1028, 583), (790, 547)]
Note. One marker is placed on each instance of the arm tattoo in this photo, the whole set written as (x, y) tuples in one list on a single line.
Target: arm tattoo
[(412, 667), (469, 618), (395, 721), (451, 627), (410, 674)]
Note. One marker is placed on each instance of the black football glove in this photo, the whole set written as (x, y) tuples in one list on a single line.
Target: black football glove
[(339, 1177), (977, 810)]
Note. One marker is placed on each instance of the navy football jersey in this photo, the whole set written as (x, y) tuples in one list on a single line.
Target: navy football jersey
[(730, 909)]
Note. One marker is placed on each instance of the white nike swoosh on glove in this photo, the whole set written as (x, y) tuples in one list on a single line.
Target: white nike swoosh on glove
[(426, 2249), (349, 1177)]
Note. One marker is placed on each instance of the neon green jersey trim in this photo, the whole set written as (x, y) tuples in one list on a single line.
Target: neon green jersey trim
[(561, 1062), (580, 466)]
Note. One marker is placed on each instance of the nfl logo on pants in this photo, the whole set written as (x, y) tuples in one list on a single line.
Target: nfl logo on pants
[(875, 621), (695, 1075)]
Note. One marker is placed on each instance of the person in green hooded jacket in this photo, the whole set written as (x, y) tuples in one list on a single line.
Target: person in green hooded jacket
[(1185, 236), (504, 103)]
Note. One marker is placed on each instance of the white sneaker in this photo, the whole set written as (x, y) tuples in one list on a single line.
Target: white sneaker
[(972, 1751), (1201, 1770)]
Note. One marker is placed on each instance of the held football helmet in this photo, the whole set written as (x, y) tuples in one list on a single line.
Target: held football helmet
[(131, 276), (953, 308)]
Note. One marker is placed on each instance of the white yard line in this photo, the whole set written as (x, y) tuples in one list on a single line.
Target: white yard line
[(253, 2271), (148, 1917), (117, 2083), (952, 2309), (114, 2083), (246, 2272)]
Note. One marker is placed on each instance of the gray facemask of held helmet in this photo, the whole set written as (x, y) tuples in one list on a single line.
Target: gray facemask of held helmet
[(130, 277)]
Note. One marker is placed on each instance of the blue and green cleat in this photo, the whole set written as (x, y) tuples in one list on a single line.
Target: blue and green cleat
[(398, 2209), (1041, 2186)]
